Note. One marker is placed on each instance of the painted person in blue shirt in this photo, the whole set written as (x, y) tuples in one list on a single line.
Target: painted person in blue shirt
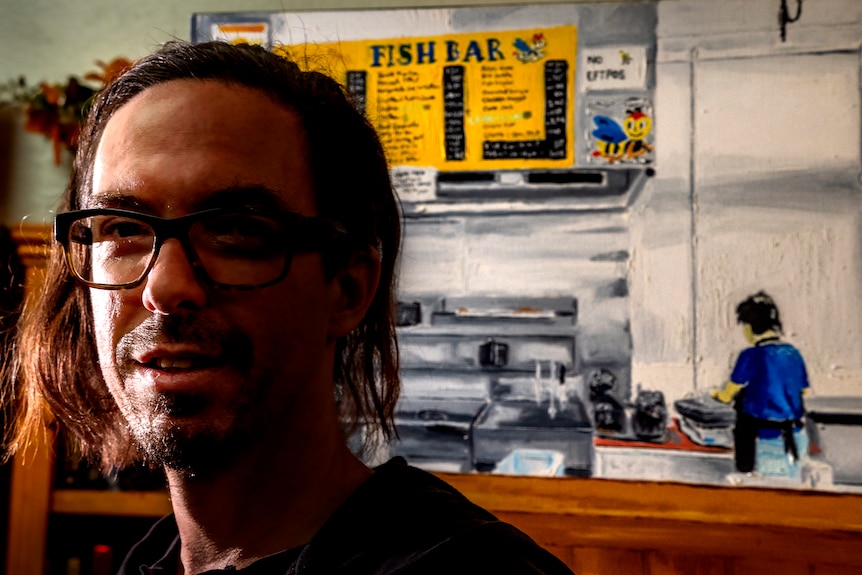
[(766, 386)]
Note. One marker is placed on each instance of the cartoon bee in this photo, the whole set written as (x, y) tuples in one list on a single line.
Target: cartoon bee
[(625, 58), (532, 51), (626, 142)]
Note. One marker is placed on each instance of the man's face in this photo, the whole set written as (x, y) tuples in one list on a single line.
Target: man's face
[(195, 370)]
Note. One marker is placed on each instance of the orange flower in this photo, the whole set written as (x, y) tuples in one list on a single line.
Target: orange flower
[(110, 71), (56, 110)]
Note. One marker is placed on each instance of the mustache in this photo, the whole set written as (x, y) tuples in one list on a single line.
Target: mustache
[(211, 336)]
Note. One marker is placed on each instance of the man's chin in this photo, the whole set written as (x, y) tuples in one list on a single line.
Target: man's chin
[(191, 434), (190, 452)]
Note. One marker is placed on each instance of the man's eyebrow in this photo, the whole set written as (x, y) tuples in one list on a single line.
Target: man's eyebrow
[(254, 196), (118, 200)]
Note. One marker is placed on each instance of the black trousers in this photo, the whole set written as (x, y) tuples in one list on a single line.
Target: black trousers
[(745, 439), (745, 442)]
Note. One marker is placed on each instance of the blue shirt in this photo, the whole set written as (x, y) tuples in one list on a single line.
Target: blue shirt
[(774, 378)]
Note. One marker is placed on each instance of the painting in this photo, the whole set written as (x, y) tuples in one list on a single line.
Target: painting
[(621, 222)]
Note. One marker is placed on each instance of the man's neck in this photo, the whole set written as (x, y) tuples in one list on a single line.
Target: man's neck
[(767, 336), (272, 497)]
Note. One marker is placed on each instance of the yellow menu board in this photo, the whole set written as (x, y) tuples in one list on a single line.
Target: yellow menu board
[(489, 100)]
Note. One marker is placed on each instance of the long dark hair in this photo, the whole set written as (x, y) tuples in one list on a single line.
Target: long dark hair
[(56, 354)]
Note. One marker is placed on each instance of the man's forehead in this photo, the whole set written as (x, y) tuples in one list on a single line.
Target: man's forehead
[(202, 138), (200, 109), (219, 98)]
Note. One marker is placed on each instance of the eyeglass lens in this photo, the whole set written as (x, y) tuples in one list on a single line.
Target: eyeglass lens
[(232, 248)]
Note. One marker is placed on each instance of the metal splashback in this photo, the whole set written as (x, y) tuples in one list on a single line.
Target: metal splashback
[(484, 376)]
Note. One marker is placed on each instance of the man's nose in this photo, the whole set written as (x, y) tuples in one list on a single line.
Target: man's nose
[(172, 284)]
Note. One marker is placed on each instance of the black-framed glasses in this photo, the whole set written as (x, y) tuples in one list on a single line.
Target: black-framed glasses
[(239, 249)]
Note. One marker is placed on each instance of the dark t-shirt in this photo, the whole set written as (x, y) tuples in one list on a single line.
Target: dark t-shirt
[(401, 520)]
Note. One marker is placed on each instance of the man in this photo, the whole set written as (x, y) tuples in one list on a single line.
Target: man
[(222, 306), (767, 386)]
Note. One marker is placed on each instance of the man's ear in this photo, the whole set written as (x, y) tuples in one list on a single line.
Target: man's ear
[(354, 287)]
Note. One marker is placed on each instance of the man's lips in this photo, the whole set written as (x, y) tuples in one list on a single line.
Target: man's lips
[(182, 361), (171, 373), (173, 364), (183, 349)]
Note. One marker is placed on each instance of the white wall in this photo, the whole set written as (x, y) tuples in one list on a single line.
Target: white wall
[(758, 162)]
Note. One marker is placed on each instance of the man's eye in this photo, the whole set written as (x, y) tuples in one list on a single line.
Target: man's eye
[(241, 227), (119, 228), (238, 232)]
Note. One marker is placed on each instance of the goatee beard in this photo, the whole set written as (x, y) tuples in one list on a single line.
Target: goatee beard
[(174, 430), (189, 449)]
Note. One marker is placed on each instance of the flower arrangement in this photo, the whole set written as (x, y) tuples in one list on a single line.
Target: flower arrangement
[(58, 110)]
